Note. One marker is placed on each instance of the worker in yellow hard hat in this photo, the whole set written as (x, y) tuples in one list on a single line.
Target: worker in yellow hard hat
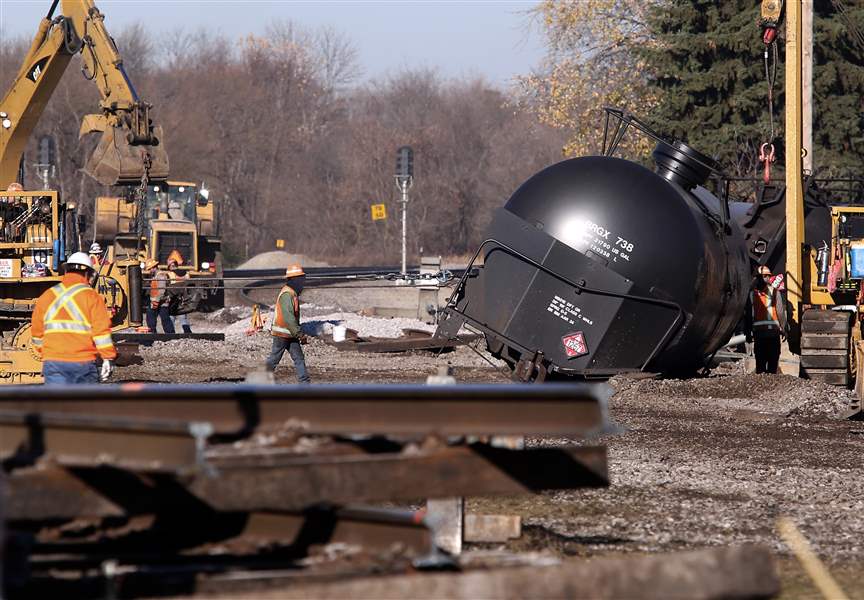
[(285, 327)]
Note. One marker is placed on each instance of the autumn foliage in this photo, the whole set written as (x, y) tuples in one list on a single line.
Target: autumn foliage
[(294, 146)]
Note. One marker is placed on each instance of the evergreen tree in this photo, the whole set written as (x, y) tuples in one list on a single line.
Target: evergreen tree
[(708, 65), (838, 89)]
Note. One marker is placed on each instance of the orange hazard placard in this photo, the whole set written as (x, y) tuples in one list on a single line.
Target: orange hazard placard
[(379, 212)]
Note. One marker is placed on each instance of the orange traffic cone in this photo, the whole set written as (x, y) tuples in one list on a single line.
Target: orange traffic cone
[(257, 322)]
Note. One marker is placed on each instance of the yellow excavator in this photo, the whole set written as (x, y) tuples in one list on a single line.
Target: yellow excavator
[(129, 147), (38, 228)]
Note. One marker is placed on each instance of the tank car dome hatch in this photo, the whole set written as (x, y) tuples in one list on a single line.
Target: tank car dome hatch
[(679, 163), (597, 265)]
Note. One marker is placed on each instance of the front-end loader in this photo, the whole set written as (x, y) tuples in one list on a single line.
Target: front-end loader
[(178, 219)]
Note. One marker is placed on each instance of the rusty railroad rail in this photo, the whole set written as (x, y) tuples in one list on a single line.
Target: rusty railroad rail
[(150, 477)]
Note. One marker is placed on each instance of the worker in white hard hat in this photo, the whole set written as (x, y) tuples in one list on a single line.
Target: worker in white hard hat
[(96, 256), (71, 328), (765, 319), (285, 326)]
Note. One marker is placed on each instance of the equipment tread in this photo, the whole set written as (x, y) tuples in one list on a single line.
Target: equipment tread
[(815, 314), (828, 376), (839, 341), (825, 361), (808, 327)]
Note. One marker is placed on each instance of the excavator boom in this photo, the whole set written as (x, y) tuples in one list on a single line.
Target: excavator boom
[(130, 145)]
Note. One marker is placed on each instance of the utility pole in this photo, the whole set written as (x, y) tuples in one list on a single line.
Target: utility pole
[(807, 83), (404, 181)]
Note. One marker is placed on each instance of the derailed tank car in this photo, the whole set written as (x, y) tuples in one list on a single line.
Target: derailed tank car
[(598, 265)]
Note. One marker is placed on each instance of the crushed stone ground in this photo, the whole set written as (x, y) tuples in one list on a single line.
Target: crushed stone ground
[(198, 361)]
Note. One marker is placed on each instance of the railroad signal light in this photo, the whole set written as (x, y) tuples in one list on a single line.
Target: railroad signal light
[(404, 163), (379, 212), (47, 151), (404, 180)]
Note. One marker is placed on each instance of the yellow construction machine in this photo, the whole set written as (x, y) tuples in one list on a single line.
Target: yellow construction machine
[(177, 218), (825, 278), (36, 229), (39, 229), (130, 146)]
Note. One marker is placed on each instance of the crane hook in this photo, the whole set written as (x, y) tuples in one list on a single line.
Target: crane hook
[(767, 158)]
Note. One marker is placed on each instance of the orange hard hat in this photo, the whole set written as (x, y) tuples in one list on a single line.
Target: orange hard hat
[(176, 257), (15, 187), (150, 263), (294, 270)]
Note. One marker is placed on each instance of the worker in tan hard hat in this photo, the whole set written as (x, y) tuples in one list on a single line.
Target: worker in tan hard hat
[(71, 328), (765, 318), (174, 262), (157, 298), (285, 326)]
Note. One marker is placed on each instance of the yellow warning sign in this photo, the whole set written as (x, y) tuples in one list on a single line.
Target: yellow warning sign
[(379, 211), (280, 243)]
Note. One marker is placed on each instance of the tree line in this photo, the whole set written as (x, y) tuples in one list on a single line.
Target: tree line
[(294, 146), (696, 70)]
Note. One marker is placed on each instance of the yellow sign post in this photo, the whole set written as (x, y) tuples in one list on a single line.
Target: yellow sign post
[(379, 212)]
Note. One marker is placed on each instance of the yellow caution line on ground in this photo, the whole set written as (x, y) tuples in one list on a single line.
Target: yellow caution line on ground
[(815, 568)]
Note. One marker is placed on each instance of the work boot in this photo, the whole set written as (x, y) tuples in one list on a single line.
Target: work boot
[(187, 329)]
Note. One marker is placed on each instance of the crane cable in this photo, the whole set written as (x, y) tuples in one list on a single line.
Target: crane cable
[(766, 150)]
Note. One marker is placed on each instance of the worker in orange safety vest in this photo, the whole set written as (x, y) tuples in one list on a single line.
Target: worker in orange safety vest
[(158, 300), (71, 328), (766, 320), (285, 326), (174, 262)]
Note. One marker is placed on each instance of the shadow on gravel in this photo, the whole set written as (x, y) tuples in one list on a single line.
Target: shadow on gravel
[(538, 537)]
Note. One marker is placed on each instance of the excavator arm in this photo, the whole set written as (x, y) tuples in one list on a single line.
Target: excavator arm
[(130, 145)]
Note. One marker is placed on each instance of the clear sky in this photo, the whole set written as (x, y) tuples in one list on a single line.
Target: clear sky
[(490, 38)]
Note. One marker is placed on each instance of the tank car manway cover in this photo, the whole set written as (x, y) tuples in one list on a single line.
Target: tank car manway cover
[(574, 344)]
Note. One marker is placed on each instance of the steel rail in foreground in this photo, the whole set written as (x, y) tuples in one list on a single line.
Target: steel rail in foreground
[(566, 410), (289, 535), (254, 482)]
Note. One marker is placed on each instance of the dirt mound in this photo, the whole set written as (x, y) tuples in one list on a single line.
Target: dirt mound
[(278, 259), (781, 394)]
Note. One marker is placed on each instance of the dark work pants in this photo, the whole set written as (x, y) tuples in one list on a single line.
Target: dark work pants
[(164, 316), (766, 348), (280, 345)]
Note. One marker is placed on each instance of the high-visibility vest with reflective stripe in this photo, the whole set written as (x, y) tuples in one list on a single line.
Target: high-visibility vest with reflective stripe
[(280, 327), (764, 309), (159, 285), (64, 300), (71, 323)]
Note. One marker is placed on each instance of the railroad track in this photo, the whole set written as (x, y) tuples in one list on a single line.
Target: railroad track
[(123, 485), (321, 276), (147, 490)]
